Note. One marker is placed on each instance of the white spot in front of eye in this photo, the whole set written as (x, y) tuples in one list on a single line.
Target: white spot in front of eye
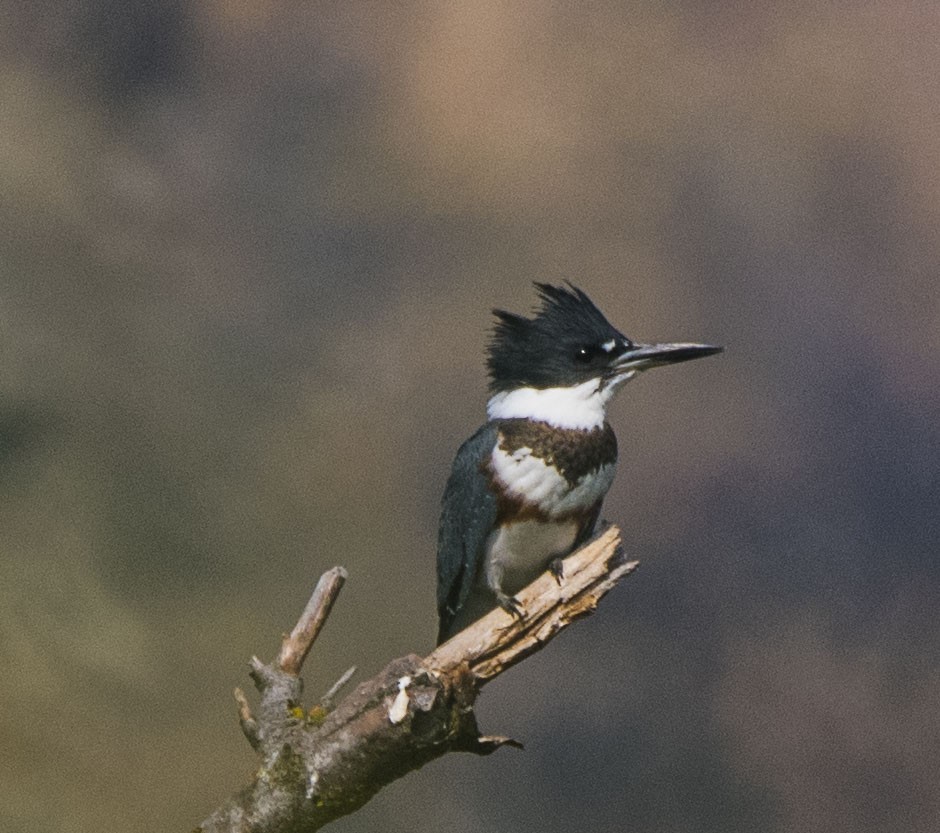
[(608, 346)]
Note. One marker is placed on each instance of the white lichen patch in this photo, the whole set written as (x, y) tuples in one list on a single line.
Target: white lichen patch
[(312, 778), (399, 708)]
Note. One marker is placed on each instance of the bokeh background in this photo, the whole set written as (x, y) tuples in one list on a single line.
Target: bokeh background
[(248, 255)]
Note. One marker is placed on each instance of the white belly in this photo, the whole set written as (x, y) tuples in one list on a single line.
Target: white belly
[(518, 552)]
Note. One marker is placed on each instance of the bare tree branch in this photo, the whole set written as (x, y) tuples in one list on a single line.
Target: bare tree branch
[(321, 763), (327, 699), (296, 646), (246, 719)]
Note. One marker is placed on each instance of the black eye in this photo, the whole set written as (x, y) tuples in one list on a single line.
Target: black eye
[(585, 354)]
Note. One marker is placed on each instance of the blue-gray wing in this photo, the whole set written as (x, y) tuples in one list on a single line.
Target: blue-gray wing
[(468, 515)]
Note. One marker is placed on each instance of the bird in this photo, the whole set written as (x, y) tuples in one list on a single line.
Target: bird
[(526, 489)]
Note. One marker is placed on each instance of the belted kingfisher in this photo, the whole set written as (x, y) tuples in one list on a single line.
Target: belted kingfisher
[(526, 489)]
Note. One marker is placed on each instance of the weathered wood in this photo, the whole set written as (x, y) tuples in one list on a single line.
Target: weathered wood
[(321, 763), (297, 644)]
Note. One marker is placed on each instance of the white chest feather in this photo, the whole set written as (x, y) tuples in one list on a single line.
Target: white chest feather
[(527, 477)]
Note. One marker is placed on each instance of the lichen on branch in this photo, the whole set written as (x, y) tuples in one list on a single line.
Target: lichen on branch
[(324, 762)]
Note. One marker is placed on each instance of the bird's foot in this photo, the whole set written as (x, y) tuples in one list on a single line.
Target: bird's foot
[(511, 605), (557, 568)]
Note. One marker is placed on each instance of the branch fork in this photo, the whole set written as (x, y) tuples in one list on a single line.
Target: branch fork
[(326, 762)]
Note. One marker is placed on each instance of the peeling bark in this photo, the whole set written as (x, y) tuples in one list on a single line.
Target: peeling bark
[(321, 763)]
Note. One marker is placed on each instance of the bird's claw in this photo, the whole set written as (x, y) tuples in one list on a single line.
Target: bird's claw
[(511, 605), (557, 568)]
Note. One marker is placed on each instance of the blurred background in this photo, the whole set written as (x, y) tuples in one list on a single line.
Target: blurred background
[(248, 252)]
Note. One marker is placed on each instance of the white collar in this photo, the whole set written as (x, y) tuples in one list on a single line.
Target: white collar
[(583, 406)]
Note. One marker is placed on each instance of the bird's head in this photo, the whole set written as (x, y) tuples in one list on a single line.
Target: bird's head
[(564, 364)]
